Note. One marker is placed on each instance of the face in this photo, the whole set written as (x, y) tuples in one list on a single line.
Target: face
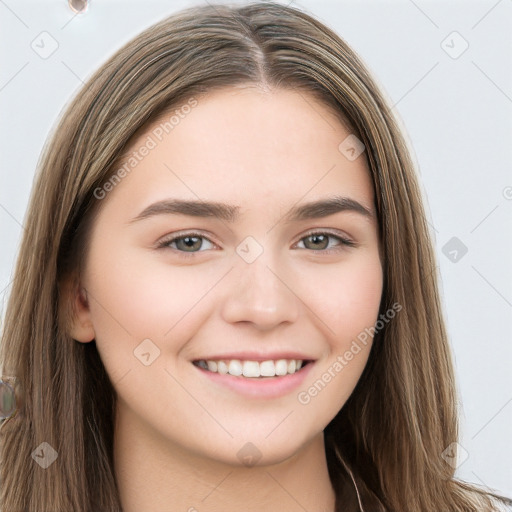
[(252, 286)]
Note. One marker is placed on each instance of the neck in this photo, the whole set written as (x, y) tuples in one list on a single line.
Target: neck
[(156, 475)]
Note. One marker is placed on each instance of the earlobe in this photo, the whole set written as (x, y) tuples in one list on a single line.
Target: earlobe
[(81, 328)]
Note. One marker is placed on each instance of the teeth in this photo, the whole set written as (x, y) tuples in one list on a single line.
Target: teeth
[(253, 368), (235, 367), (282, 367), (222, 367), (267, 369)]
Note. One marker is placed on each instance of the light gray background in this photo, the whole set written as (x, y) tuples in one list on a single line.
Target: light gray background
[(457, 110)]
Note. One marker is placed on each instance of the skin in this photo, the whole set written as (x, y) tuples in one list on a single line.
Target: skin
[(178, 435)]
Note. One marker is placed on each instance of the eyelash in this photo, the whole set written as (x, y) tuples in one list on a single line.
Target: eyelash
[(164, 244)]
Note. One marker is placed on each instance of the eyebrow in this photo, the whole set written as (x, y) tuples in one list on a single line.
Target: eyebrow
[(230, 213)]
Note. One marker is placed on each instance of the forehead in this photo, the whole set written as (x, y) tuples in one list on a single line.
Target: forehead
[(249, 145)]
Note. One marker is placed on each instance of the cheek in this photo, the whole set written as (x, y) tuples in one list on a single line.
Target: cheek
[(348, 307), (144, 297), (135, 297), (346, 298)]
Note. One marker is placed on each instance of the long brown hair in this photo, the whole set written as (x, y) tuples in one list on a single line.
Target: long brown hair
[(384, 448)]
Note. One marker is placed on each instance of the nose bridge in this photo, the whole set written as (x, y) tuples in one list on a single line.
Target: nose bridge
[(258, 291)]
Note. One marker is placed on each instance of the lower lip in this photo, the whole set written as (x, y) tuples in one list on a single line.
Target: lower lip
[(269, 387)]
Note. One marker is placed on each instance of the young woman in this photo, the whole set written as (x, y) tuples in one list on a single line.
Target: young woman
[(225, 297)]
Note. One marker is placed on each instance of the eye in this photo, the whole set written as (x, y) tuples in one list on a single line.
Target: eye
[(189, 243), (320, 242), (186, 243)]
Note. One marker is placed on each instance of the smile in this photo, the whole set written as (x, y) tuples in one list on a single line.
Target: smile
[(253, 369)]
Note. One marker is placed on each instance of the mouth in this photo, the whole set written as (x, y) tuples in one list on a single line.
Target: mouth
[(254, 369)]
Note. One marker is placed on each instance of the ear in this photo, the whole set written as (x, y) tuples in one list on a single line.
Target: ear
[(79, 324)]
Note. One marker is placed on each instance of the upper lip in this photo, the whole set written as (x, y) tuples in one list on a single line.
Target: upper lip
[(256, 356)]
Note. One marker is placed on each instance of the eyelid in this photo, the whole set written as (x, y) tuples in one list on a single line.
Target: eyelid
[(345, 240), (327, 231), (183, 234)]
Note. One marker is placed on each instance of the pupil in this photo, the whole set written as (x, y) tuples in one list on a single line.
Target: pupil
[(189, 241), (317, 238)]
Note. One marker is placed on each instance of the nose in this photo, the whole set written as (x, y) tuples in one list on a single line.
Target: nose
[(261, 294)]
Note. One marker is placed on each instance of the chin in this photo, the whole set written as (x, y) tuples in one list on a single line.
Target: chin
[(256, 451)]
